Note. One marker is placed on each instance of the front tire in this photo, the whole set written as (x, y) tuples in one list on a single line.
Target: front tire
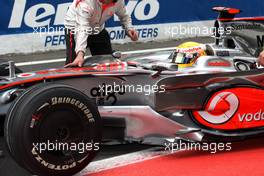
[(53, 130)]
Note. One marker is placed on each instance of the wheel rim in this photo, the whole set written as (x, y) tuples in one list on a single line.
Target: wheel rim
[(60, 126)]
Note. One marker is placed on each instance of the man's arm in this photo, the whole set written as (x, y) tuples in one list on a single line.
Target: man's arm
[(126, 21), (123, 16), (82, 19), (81, 33)]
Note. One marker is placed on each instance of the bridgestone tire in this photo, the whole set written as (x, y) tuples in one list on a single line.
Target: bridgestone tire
[(53, 115)]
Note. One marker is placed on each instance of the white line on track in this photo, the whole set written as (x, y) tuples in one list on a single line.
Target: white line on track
[(123, 160), (63, 59)]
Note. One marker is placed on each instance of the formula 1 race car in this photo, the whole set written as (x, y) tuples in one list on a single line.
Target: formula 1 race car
[(55, 120)]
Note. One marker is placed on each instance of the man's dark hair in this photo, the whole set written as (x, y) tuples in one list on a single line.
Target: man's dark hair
[(115, 0)]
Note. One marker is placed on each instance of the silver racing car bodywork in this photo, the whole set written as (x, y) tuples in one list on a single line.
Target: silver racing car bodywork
[(136, 110), (146, 98)]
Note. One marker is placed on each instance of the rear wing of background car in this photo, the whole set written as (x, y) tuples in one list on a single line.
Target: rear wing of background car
[(226, 13), (245, 33)]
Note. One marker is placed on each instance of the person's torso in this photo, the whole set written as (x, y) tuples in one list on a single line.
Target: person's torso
[(98, 13)]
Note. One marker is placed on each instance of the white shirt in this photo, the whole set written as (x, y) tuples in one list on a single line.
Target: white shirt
[(87, 17)]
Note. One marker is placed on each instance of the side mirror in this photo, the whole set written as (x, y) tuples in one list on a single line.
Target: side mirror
[(8, 68), (160, 67), (165, 67), (245, 64), (117, 54)]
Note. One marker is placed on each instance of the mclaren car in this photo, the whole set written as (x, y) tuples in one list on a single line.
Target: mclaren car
[(197, 92)]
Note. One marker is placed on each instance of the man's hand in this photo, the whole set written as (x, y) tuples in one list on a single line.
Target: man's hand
[(261, 58), (79, 60), (132, 33)]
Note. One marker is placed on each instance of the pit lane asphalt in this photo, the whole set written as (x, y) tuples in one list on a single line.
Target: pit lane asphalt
[(8, 166)]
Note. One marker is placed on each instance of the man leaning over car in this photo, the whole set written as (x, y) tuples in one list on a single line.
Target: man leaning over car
[(85, 26)]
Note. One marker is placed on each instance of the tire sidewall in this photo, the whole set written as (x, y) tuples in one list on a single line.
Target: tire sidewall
[(20, 120)]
